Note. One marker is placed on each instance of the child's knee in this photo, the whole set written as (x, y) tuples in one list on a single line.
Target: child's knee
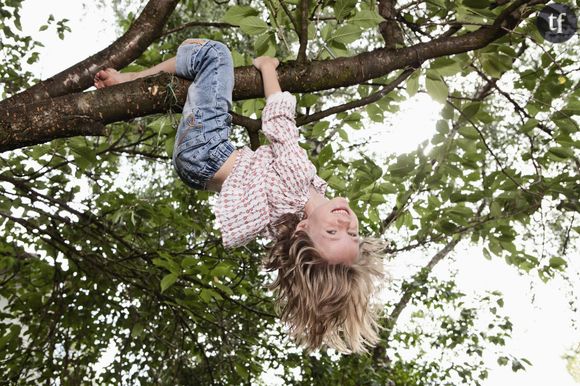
[(194, 41)]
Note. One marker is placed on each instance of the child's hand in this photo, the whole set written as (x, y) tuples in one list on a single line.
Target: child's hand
[(262, 62)]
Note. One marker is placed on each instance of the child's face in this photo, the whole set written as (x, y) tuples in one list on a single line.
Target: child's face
[(333, 227)]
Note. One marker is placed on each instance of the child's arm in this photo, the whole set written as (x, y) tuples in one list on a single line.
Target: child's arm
[(278, 122), (267, 66)]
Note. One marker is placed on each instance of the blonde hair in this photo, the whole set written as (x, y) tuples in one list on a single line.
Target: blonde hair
[(325, 303)]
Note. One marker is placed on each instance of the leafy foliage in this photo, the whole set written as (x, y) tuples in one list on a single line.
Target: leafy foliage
[(102, 245)]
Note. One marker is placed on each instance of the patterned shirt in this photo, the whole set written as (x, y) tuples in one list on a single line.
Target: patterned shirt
[(269, 182)]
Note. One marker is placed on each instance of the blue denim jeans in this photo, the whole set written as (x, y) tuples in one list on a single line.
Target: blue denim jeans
[(201, 144)]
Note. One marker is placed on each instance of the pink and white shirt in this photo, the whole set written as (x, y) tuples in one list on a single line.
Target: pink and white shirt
[(269, 182)]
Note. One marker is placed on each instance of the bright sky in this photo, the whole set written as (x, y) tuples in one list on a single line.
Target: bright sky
[(542, 331)]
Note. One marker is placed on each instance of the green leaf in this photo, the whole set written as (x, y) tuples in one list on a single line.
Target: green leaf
[(486, 254), (325, 154), (346, 34), (166, 263), (468, 132), (529, 125), (168, 280), (188, 262), (561, 152), (320, 128), (207, 294), (413, 83), (337, 183), (137, 329), (494, 64), (517, 365), (343, 135), (342, 8), (237, 13), (253, 25), (373, 198), (557, 262), (224, 288), (162, 125), (265, 45), (470, 110), (241, 370), (445, 66), (462, 211), (85, 155), (366, 19), (169, 146), (353, 119), (477, 4), (222, 269), (375, 112), (404, 165), (308, 100), (437, 89), (387, 188)]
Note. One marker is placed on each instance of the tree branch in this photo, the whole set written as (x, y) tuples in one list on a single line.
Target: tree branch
[(389, 29), (303, 32), (357, 103), (379, 352), (145, 30), (87, 113)]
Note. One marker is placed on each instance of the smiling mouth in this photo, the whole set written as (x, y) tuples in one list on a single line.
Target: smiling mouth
[(340, 211)]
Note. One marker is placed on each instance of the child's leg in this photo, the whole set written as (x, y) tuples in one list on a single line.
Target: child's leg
[(110, 76), (201, 143)]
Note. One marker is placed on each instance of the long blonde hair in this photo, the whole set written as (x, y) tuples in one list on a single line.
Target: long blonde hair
[(325, 303)]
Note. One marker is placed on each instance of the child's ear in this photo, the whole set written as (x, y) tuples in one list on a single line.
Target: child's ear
[(301, 225)]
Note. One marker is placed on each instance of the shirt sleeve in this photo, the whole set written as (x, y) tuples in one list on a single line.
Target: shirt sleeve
[(242, 217), (278, 123), (319, 185), (242, 211)]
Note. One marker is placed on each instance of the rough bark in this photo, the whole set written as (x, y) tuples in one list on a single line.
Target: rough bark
[(87, 113), (389, 28)]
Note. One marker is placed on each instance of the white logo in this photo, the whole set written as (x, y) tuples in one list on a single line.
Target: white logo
[(560, 19)]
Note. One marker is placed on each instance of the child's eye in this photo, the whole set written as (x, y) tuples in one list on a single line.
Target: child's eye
[(332, 232), (352, 234)]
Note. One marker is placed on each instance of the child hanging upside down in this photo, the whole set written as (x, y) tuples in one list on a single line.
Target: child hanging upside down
[(327, 273)]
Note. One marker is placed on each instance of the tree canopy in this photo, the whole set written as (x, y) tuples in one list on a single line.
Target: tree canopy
[(101, 243)]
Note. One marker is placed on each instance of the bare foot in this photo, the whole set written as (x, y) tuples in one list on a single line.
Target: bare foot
[(110, 76)]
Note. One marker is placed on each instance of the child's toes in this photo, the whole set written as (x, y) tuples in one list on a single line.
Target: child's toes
[(109, 77), (103, 75)]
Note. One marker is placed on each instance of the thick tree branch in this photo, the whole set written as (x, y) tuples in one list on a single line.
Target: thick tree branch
[(87, 113), (146, 29), (357, 103), (389, 28)]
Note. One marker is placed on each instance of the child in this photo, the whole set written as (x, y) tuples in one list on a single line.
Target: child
[(326, 272)]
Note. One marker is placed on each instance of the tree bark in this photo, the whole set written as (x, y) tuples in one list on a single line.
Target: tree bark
[(88, 113)]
